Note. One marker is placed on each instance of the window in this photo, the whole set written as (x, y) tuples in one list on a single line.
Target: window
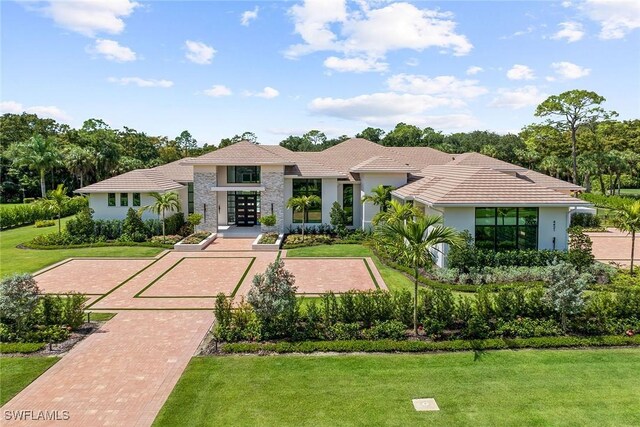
[(111, 199), (243, 174), (136, 199), (507, 228), (347, 202), (124, 199), (190, 209), (231, 204), (308, 187)]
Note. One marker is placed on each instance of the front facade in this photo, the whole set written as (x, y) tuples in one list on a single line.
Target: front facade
[(503, 206)]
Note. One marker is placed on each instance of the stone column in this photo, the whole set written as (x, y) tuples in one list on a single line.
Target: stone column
[(205, 200), (272, 179)]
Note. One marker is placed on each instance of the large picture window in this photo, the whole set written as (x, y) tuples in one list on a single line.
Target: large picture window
[(243, 174), (507, 228), (308, 187), (347, 202)]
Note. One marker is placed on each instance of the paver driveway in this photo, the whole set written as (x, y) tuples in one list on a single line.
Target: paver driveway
[(614, 246), (119, 376)]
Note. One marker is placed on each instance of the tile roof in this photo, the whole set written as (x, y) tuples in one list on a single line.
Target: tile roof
[(549, 181), (468, 185), (139, 180), (477, 159), (177, 171), (241, 153), (382, 164)]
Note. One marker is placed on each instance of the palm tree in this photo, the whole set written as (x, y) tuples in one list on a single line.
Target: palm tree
[(164, 202), (79, 161), (414, 240), (39, 154), (379, 196), (56, 201), (628, 219), (303, 204), (397, 211)]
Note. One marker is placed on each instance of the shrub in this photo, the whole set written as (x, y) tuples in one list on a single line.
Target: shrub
[(273, 297), (41, 223), (19, 347), (51, 310), (18, 300), (53, 333), (343, 331), (194, 219), (174, 223), (108, 229), (170, 239), (580, 252), (24, 214), (295, 240), (268, 220), (82, 227), (196, 238), (73, 309), (133, 228), (338, 218), (564, 291), (388, 329), (585, 220), (528, 328), (268, 239), (28, 200)]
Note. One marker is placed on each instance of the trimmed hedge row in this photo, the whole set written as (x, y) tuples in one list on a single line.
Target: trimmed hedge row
[(20, 347), (26, 214), (389, 346), (31, 245)]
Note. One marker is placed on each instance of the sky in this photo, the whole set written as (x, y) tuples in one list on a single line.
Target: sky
[(276, 68)]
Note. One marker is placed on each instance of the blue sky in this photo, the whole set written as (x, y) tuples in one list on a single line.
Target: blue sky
[(278, 68)]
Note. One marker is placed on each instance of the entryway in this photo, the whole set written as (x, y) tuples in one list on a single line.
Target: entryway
[(246, 210)]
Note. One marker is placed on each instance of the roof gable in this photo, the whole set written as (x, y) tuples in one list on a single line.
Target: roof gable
[(138, 181), (241, 153)]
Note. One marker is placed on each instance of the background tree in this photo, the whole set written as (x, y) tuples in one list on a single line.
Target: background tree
[(414, 241), (79, 161), (186, 142), (380, 196), (372, 134), (628, 219), (571, 110), (38, 153), (164, 202), (303, 204)]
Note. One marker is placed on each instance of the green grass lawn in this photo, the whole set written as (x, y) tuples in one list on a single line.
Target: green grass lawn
[(16, 260), (394, 279), (634, 191), (558, 387), (18, 372)]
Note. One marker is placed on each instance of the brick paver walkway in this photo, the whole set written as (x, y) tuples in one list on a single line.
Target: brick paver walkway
[(614, 246), (120, 376)]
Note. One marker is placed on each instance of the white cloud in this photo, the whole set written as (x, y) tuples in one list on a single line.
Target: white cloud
[(218, 91), (530, 29), (473, 70), (617, 18), (412, 62), (369, 32), (572, 31), (112, 50), (520, 72), (248, 16), (568, 71), (140, 82), (199, 52), (90, 17), (442, 86), (267, 93), (355, 65), (50, 111), (518, 98)]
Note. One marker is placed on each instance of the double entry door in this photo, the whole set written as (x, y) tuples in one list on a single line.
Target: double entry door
[(246, 210)]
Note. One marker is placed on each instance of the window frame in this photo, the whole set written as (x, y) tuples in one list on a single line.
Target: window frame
[(136, 199), (111, 199), (124, 197), (347, 206), (235, 174), (512, 222), (317, 191)]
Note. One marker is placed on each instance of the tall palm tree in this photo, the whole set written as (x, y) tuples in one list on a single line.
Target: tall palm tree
[(628, 219), (379, 196), (79, 161), (169, 201), (56, 201), (38, 154), (303, 204), (414, 240), (397, 211)]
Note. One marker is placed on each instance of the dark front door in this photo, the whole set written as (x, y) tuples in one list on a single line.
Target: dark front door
[(246, 210)]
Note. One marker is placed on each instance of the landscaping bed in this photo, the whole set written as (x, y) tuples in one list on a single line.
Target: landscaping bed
[(267, 242), (195, 242)]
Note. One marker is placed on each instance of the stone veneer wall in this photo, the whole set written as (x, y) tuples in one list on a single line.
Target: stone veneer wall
[(273, 182), (202, 194)]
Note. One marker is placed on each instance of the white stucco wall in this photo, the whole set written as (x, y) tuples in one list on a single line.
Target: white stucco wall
[(329, 196), (99, 202), (368, 182)]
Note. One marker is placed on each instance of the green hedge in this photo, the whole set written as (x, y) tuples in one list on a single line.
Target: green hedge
[(31, 245), (388, 346), (25, 214), (20, 347)]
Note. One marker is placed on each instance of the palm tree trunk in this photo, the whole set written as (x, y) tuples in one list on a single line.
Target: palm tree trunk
[(415, 303), (59, 221), (164, 239), (633, 248), (574, 155), (43, 189), (304, 213)]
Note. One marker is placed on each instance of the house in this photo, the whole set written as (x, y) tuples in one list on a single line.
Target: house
[(503, 206)]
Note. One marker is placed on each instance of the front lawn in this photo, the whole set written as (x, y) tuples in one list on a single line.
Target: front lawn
[(18, 372), (553, 387), (394, 279), (16, 260)]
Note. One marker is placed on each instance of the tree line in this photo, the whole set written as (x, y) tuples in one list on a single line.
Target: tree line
[(579, 141)]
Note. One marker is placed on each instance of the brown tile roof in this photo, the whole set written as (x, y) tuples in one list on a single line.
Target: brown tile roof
[(477, 159), (444, 185), (177, 171), (241, 153), (382, 164), (139, 181), (549, 181)]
